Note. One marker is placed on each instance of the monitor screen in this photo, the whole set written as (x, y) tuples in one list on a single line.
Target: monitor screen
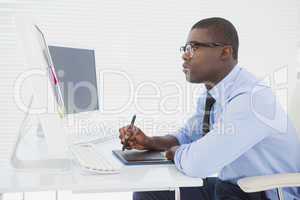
[(76, 71)]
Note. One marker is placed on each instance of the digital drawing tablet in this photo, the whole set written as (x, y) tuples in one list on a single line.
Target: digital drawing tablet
[(136, 157)]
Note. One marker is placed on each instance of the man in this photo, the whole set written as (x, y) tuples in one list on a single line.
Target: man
[(238, 129)]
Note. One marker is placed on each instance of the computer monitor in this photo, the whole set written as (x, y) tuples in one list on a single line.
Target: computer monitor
[(76, 70), (44, 95)]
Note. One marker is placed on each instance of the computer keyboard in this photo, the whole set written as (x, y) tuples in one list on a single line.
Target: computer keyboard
[(91, 160), (93, 139)]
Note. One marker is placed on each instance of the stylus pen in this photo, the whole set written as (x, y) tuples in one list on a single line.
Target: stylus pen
[(127, 136)]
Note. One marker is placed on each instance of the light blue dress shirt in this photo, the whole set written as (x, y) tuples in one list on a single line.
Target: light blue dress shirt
[(250, 134)]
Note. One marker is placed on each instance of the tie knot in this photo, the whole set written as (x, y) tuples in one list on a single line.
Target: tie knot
[(210, 100)]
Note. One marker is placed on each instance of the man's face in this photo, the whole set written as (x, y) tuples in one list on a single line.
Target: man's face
[(204, 64)]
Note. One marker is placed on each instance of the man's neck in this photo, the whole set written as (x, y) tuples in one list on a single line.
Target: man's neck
[(209, 85)]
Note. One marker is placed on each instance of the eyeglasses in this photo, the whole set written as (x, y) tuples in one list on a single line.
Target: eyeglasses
[(190, 48)]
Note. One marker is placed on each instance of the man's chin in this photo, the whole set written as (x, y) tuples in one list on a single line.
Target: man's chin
[(192, 80)]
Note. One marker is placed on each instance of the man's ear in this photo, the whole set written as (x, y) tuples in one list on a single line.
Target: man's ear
[(227, 52)]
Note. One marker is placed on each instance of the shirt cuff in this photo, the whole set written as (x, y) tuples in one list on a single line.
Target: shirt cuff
[(178, 155), (180, 138)]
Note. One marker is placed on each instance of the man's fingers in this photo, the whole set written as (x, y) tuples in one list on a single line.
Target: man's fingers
[(132, 137), (135, 145), (133, 129), (130, 143), (128, 148), (138, 147), (122, 134), (168, 155), (128, 136)]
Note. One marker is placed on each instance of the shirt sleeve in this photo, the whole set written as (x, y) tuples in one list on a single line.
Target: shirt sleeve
[(192, 130), (239, 128)]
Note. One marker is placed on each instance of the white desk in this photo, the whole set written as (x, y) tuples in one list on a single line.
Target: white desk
[(131, 178)]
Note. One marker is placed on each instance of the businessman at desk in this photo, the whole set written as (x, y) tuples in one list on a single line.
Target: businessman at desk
[(237, 131)]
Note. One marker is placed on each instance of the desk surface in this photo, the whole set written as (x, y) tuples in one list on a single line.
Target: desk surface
[(131, 178)]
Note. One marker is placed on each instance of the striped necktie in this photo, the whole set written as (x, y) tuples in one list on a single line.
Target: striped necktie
[(208, 106)]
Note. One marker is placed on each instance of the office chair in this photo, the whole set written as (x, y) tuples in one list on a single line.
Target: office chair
[(278, 181)]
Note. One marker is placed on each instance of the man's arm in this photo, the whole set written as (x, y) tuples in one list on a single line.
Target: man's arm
[(137, 139), (189, 132), (162, 143), (238, 131), (192, 129)]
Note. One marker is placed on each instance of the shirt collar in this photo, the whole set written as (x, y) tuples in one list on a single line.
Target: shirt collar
[(221, 91)]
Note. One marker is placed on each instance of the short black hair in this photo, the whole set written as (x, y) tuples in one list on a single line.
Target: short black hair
[(222, 31)]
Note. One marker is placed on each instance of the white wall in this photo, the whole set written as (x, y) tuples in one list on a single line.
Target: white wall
[(142, 40)]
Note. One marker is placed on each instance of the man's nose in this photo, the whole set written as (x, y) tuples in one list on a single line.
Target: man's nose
[(185, 57)]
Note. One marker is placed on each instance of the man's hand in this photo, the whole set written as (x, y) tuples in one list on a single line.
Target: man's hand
[(136, 138), (170, 153)]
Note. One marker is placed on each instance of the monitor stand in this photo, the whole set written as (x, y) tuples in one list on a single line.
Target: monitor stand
[(38, 135)]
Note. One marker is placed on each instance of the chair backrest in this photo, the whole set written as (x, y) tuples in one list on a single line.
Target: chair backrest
[(294, 104)]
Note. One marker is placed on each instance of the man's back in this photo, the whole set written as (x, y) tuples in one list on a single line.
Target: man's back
[(278, 152), (251, 134)]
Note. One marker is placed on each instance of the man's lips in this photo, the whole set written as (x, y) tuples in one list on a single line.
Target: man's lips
[(186, 68)]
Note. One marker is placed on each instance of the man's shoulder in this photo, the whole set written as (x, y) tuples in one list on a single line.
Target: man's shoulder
[(248, 84)]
